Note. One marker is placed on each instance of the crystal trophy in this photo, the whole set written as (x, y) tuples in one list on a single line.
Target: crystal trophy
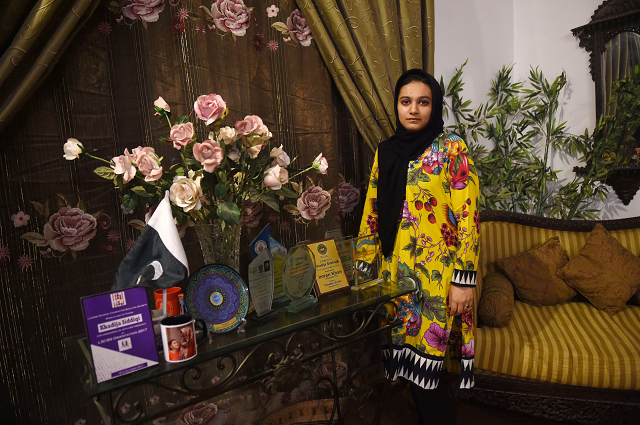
[(367, 258), (298, 277)]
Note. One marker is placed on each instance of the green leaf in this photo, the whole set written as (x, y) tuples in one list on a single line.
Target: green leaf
[(433, 306), (137, 224), (270, 200), (374, 182), (423, 177), (470, 265), (35, 238), (140, 191), (105, 173), (423, 270), (436, 276), (280, 26), (43, 210), (286, 192), (229, 212), (405, 225), (182, 120), (413, 176), (446, 188), (130, 201), (220, 191)]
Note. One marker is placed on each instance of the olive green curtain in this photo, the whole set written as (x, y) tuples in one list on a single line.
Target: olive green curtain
[(622, 53), (39, 38), (366, 46)]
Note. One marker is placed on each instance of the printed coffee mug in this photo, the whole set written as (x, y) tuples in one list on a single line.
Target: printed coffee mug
[(173, 300), (179, 337)]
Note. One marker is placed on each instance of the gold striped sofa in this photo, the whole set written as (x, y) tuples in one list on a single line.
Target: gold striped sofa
[(568, 362)]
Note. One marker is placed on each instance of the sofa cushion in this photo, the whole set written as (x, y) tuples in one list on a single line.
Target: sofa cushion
[(571, 343), (604, 271), (533, 274), (496, 303)]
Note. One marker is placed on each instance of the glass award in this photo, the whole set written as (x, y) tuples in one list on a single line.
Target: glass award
[(367, 259), (346, 256), (298, 277)]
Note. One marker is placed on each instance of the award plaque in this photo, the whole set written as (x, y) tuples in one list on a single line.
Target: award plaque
[(345, 250), (298, 277), (330, 275), (366, 255), (261, 283)]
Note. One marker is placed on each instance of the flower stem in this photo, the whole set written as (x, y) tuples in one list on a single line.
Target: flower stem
[(98, 158)]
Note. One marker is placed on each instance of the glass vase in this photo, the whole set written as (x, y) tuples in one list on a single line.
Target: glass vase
[(220, 246)]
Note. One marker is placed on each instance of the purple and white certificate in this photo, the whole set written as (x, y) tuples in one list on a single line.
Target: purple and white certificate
[(120, 332)]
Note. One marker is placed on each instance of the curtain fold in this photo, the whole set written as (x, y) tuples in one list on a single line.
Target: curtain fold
[(366, 45), (36, 47)]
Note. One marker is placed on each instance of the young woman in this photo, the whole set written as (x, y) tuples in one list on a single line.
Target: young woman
[(422, 201)]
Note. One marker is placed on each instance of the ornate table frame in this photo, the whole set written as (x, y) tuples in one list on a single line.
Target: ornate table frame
[(370, 311)]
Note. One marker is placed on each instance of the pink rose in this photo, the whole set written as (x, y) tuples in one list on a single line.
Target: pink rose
[(147, 10), (253, 151), (348, 197), (251, 215), (280, 156), (251, 124), (162, 104), (198, 414), (70, 229), (209, 107), (320, 164), (231, 16), (147, 163), (272, 177), (314, 203), (209, 154), (135, 153), (324, 369), (123, 164), (298, 28), (181, 134)]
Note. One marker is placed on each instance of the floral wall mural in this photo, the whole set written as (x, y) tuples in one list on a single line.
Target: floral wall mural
[(64, 230)]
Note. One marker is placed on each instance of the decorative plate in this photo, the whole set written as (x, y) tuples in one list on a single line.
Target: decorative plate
[(218, 295)]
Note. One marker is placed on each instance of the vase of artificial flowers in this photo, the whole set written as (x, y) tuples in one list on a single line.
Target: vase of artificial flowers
[(219, 246), (217, 182)]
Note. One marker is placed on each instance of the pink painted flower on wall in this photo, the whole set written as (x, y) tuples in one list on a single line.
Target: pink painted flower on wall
[(146, 10), (20, 219), (314, 203), (231, 16), (25, 262), (298, 29), (348, 197), (70, 229)]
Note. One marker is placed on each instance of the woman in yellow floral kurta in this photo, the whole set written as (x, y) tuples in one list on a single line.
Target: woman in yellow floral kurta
[(434, 239)]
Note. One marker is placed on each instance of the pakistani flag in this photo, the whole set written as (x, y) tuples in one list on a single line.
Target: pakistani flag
[(157, 258)]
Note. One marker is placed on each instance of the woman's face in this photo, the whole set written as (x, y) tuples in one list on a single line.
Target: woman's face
[(414, 105)]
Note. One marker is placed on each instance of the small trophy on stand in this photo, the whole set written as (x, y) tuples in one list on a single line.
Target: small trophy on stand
[(366, 255), (298, 277)]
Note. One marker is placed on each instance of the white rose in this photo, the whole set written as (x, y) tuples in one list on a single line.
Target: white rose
[(227, 135), (280, 156), (72, 149), (186, 192)]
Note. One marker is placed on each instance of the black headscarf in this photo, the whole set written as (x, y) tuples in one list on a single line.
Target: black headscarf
[(394, 155)]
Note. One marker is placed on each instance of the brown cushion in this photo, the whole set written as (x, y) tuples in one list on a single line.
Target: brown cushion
[(604, 271), (495, 308), (533, 274)]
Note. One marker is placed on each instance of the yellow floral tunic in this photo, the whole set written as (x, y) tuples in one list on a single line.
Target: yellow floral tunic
[(436, 246)]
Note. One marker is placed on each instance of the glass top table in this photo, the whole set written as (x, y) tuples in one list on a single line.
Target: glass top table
[(280, 323)]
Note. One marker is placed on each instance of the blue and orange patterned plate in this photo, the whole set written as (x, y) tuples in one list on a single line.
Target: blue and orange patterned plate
[(218, 295)]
